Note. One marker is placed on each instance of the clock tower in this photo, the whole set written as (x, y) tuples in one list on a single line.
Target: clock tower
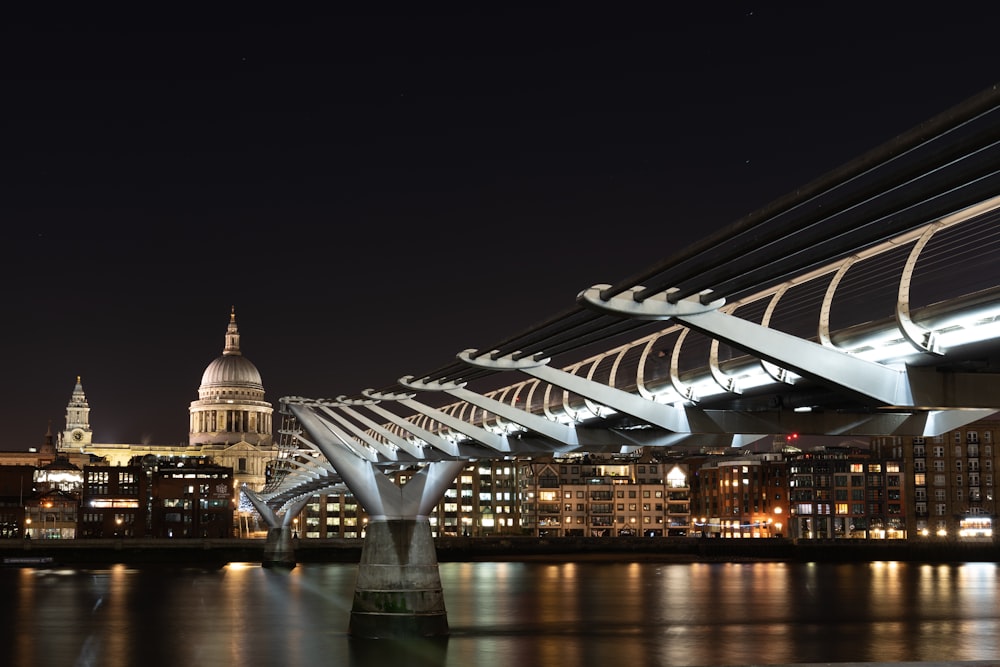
[(77, 433)]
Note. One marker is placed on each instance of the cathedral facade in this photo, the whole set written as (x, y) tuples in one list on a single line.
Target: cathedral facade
[(230, 421)]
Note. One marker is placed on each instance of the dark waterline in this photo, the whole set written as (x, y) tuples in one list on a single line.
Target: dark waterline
[(511, 613)]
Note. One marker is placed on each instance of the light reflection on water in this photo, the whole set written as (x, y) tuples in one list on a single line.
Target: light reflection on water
[(510, 613)]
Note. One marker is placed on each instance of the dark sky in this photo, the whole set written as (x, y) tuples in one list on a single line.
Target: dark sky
[(376, 192)]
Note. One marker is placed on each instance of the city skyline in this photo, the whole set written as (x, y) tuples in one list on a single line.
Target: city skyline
[(374, 194)]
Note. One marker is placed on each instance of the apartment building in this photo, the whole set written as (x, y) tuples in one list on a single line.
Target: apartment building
[(157, 497), (740, 496), (951, 483), (594, 496), (846, 492)]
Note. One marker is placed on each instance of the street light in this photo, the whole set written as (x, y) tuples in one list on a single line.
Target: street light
[(295, 529), (118, 526), (27, 528)]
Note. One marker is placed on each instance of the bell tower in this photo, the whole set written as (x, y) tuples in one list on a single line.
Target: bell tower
[(77, 432)]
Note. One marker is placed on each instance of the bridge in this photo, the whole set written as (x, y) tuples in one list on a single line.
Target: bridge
[(866, 302)]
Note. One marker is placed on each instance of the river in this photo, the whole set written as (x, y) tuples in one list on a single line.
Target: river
[(504, 614)]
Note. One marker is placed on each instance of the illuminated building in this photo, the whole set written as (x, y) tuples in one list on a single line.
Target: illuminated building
[(229, 422), (113, 501), (192, 498), (42, 492), (599, 496), (845, 492), (157, 497), (483, 500), (740, 496), (952, 481)]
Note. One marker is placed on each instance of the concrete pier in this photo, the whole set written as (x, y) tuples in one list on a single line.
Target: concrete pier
[(398, 591)]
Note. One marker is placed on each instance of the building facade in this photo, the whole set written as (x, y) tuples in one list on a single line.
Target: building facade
[(546, 497), (157, 497), (951, 480), (744, 496), (114, 501), (841, 493), (601, 496)]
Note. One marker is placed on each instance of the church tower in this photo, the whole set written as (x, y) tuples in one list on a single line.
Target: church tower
[(77, 433)]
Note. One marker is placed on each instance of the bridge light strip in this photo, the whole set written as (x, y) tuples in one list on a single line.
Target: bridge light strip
[(959, 331), (974, 332)]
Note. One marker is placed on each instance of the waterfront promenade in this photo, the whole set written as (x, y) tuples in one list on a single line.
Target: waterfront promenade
[(199, 552)]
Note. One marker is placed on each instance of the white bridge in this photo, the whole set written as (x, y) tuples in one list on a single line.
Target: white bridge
[(864, 303)]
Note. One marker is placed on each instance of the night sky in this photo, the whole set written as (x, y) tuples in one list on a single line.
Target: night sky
[(375, 193)]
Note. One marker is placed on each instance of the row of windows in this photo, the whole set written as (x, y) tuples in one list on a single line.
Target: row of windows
[(920, 480), (206, 517), (975, 493), (606, 521), (468, 509), (970, 437), (972, 451), (605, 508), (823, 481), (612, 470), (938, 465), (845, 509), (618, 494)]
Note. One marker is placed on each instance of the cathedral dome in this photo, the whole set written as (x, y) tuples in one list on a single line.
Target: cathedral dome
[(231, 410), (232, 369)]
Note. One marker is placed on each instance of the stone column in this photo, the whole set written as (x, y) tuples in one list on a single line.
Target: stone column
[(398, 592)]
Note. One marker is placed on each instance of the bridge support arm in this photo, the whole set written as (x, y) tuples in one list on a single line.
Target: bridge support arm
[(279, 547), (565, 436), (667, 417), (809, 359)]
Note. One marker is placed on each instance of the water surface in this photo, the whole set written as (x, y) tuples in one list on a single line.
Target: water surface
[(510, 613)]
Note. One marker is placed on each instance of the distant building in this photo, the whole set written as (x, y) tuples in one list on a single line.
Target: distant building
[(39, 492), (44, 454), (605, 496), (16, 484), (846, 493), (114, 501), (52, 511), (157, 497), (192, 498), (229, 422), (744, 496), (600, 497), (833, 492), (951, 480)]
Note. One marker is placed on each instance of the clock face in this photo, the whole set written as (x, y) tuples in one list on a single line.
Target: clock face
[(78, 435)]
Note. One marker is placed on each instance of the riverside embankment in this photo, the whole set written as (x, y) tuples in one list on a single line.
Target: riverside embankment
[(212, 552)]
